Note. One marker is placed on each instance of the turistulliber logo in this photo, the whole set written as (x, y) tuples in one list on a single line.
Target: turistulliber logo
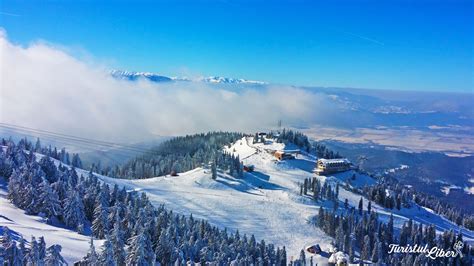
[(432, 253)]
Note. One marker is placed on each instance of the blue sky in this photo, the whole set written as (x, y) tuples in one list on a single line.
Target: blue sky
[(427, 45)]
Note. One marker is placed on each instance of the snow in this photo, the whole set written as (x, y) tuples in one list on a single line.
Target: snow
[(74, 245), (265, 202), (338, 258), (447, 189), (470, 190), (216, 79), (154, 77), (325, 162), (393, 170)]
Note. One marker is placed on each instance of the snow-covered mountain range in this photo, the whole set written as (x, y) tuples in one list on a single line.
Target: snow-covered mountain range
[(133, 76), (154, 77)]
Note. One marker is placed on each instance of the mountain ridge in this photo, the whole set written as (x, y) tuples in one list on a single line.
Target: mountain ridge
[(155, 77)]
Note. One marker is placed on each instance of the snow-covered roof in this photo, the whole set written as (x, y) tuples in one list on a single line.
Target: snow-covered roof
[(334, 161), (287, 151), (338, 258)]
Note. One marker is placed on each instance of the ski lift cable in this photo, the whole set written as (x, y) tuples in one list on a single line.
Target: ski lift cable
[(87, 146), (72, 138)]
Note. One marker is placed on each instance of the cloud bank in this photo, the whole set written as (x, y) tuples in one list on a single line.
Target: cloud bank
[(46, 88)]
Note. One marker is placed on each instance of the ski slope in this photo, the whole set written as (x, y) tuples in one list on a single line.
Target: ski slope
[(265, 203)]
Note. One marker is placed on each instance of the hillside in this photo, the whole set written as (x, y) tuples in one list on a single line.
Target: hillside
[(136, 232), (265, 202), (434, 173), (74, 245)]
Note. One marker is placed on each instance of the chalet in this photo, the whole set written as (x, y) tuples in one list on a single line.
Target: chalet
[(283, 155), (330, 166)]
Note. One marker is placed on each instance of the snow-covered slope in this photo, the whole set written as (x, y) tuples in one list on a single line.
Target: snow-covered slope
[(266, 202), (74, 245)]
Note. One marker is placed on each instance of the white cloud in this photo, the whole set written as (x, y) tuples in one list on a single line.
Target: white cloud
[(44, 87)]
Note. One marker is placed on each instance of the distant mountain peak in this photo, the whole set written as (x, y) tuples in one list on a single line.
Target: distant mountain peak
[(154, 77), (217, 79), (133, 76)]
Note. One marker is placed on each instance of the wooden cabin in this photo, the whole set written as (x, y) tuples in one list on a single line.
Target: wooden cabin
[(282, 155)]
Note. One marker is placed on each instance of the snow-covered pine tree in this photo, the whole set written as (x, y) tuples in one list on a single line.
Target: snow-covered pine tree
[(100, 224), (106, 257), (117, 238), (140, 250), (16, 185), (76, 161), (53, 256), (7, 249), (22, 251), (91, 257), (49, 169), (214, 170), (41, 248), (30, 199), (73, 214), (33, 257), (48, 201)]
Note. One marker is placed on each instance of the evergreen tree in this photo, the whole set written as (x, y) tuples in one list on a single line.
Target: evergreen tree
[(117, 239), (214, 170), (176, 238), (22, 251), (37, 145), (107, 256), (100, 223), (91, 257), (48, 201), (33, 257), (74, 215), (302, 257), (76, 161), (53, 256), (140, 250), (41, 248), (49, 169)]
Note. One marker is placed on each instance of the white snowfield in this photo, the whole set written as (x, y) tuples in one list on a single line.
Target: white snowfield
[(74, 245), (265, 203)]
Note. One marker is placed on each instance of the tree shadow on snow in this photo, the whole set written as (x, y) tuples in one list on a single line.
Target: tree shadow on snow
[(261, 180), (305, 165), (240, 186)]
